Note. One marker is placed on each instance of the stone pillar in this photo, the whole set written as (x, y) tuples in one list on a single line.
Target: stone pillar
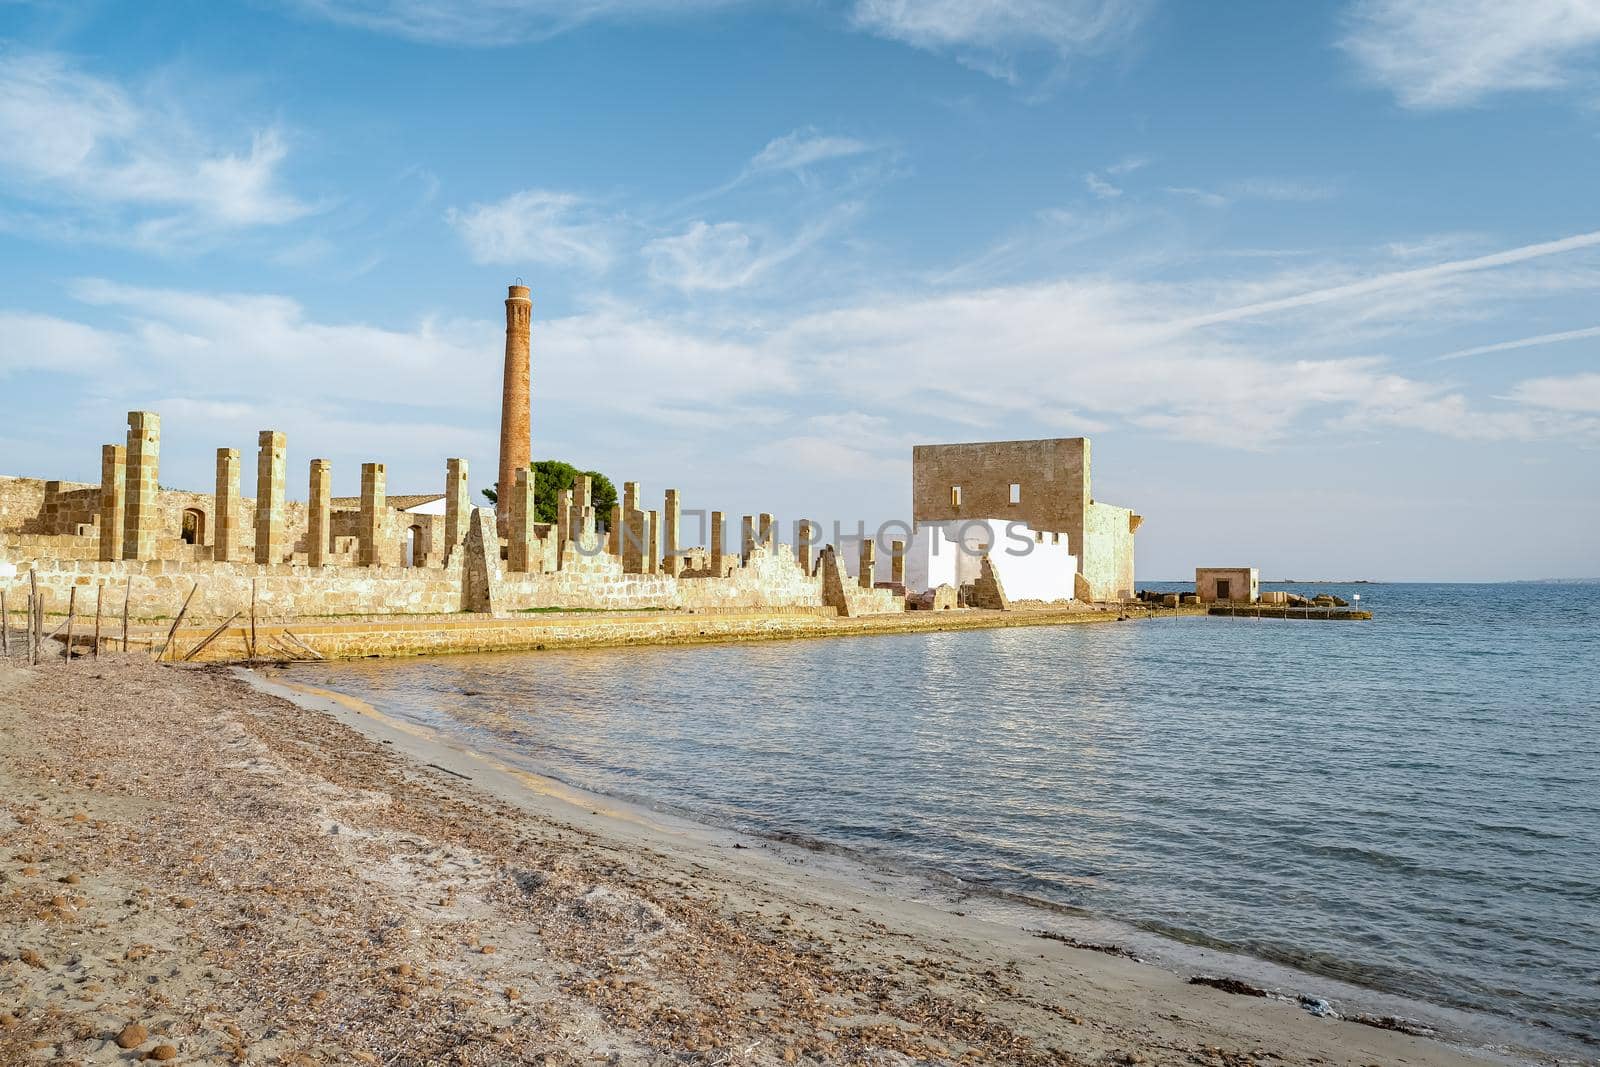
[(457, 505), (869, 560), (319, 513), (520, 506), (516, 431), (804, 532), (652, 543), (614, 531), (141, 522), (673, 563), (374, 503), (113, 500), (767, 537), (716, 544), (271, 467), (564, 508), (897, 562), (747, 537), (631, 540), (582, 508), (225, 541)]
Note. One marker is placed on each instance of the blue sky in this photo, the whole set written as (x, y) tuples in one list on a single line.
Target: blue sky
[(1319, 279)]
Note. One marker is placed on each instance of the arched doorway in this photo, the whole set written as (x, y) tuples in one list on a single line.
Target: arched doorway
[(194, 526), (416, 547)]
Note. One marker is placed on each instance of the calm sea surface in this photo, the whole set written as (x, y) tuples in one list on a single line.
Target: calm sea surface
[(1410, 805)]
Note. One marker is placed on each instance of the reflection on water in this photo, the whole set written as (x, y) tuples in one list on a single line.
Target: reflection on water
[(1411, 804)]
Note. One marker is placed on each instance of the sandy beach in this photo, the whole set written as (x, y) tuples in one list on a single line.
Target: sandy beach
[(203, 871)]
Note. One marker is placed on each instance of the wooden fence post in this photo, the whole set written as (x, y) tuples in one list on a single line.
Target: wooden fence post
[(72, 608), (127, 591), (99, 595)]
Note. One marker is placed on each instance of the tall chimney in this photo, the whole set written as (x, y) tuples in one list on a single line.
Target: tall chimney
[(516, 434)]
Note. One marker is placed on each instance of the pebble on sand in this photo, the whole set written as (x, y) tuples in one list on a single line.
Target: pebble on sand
[(132, 1036)]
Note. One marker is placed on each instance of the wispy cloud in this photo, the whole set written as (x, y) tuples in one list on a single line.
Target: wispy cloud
[(1101, 188), (1283, 190), (991, 35), (804, 148), (1578, 393), (489, 23), (537, 226), (1400, 279), (110, 166), (730, 255), (1525, 342), (1452, 53)]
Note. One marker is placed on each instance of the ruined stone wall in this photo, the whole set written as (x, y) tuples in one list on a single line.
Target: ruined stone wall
[(1053, 476), (591, 581), (157, 588), (771, 579), (1106, 555)]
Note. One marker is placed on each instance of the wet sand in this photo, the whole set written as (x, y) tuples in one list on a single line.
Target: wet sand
[(251, 879)]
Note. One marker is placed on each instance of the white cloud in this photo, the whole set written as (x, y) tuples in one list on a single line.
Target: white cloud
[(125, 169), (721, 256), (536, 226), (1452, 53), (1524, 342), (488, 23), (804, 148), (1100, 187), (990, 34), (1577, 393), (45, 343)]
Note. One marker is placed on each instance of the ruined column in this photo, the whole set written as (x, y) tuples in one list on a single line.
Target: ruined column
[(457, 505), (113, 499), (897, 562), (520, 505), (804, 532), (747, 537), (141, 522), (516, 432), (652, 543), (631, 540), (374, 502), (768, 535), (563, 523), (225, 541), (319, 513), (614, 531), (869, 560), (271, 468), (672, 563), (716, 544)]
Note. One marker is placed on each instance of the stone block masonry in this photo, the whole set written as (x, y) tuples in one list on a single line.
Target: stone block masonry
[(113, 500), (225, 541), (520, 556), (669, 533), (716, 542), (141, 527), (319, 513), (457, 505), (272, 456), (869, 561), (374, 493)]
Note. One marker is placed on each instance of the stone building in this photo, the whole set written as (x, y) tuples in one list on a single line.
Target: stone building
[(1044, 484), (1239, 585)]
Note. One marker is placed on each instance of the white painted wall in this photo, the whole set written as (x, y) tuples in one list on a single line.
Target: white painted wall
[(1032, 565), (432, 507)]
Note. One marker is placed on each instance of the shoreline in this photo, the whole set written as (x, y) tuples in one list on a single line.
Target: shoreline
[(961, 901), (399, 636), (267, 880)]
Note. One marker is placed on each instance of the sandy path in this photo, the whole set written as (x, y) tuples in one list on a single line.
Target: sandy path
[(254, 881)]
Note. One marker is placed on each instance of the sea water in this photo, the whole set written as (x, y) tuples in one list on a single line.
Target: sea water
[(1409, 805)]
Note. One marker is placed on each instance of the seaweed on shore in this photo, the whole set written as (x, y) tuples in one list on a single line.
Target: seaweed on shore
[(1228, 985), (1091, 946)]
